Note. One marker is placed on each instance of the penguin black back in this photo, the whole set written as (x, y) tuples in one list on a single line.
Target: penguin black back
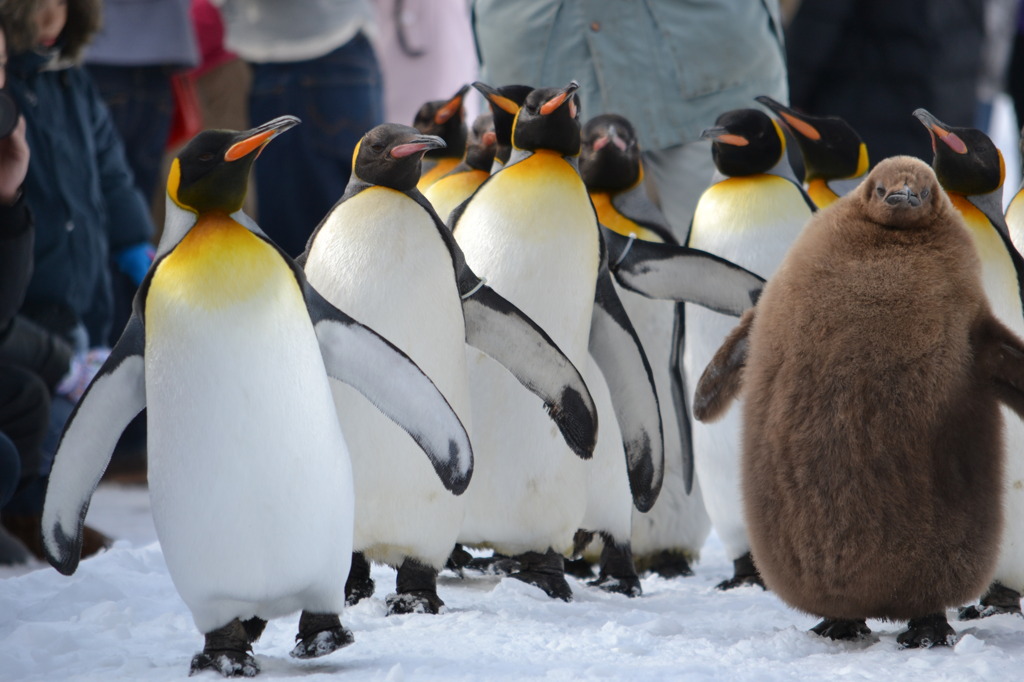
[(390, 155), (745, 142)]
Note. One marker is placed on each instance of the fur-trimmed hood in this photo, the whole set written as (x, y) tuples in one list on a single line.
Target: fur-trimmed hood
[(83, 21)]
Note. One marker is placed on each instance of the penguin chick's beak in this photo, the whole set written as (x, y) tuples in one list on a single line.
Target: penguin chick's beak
[(905, 196), (451, 107), (790, 118), (940, 131), (720, 134), (253, 140), (496, 98), (558, 100), (611, 136), (420, 143)]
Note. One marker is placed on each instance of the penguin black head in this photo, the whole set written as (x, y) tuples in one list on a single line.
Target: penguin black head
[(966, 160), (549, 119), (482, 142), (831, 148), (902, 193), (505, 102), (745, 142), (445, 118), (390, 155), (610, 157), (212, 172)]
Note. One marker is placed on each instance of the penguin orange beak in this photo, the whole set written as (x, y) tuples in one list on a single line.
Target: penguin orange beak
[(939, 130), (496, 98), (720, 134), (792, 119), (420, 143), (451, 107), (558, 100), (254, 140), (489, 139), (611, 136)]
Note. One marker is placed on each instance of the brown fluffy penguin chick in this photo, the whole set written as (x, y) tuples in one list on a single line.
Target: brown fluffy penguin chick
[(871, 370)]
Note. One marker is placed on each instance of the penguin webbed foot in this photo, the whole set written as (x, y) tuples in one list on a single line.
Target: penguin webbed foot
[(617, 574), (998, 600), (417, 589), (667, 564), (546, 571), (926, 632), (359, 585), (227, 652), (498, 564), (839, 629), (579, 568), (320, 634), (744, 573), (458, 560)]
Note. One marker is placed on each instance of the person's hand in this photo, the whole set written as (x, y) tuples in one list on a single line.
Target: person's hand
[(134, 261), (14, 156)]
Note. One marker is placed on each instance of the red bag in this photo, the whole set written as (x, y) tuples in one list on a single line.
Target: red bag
[(187, 118)]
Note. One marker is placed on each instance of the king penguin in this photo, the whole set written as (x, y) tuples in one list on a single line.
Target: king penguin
[(750, 214), (445, 118), (457, 186), (504, 102), (835, 158), (971, 170), (229, 349), (384, 254), (531, 230)]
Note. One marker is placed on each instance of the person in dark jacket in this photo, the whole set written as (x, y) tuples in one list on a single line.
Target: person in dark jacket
[(873, 62)]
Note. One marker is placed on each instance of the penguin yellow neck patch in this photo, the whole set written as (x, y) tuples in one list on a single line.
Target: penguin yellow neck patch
[(219, 263), (610, 217), (821, 194)]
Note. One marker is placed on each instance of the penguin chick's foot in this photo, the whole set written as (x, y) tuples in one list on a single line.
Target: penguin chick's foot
[(666, 563), (359, 585), (227, 651), (417, 590), (997, 600), (544, 570), (835, 628), (618, 574), (744, 573), (320, 634), (926, 632)]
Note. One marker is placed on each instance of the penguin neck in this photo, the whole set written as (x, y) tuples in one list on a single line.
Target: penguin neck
[(523, 154)]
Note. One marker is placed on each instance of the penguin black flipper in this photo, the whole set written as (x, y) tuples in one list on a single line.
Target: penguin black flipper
[(358, 356), (616, 348), (681, 273), (680, 395), (723, 377), (114, 397)]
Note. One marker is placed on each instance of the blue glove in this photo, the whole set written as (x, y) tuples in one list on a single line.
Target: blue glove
[(135, 261)]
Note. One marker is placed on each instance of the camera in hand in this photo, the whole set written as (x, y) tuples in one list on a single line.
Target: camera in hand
[(8, 113)]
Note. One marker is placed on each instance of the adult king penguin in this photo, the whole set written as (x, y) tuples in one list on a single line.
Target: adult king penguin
[(750, 214), (504, 102), (229, 349), (383, 254), (445, 118), (835, 158), (971, 170), (459, 184), (872, 442), (531, 231)]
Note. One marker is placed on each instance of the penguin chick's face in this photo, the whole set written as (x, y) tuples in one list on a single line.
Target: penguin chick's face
[(745, 142), (390, 155), (212, 172), (966, 160), (549, 119), (610, 156), (902, 193)]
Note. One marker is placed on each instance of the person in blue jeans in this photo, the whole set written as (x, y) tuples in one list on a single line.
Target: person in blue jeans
[(313, 60)]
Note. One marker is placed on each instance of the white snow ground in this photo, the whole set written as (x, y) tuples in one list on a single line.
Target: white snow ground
[(119, 618)]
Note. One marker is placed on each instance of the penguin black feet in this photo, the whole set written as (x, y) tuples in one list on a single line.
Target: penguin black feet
[(417, 590), (578, 568), (320, 634), (835, 628), (999, 599), (226, 651), (618, 574), (458, 559), (544, 570), (926, 632), (744, 573), (254, 628), (498, 564), (668, 564), (359, 584)]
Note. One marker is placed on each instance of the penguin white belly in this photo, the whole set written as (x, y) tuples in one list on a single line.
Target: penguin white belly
[(1000, 281), (248, 471), (530, 231), (678, 521), (752, 222), (379, 257), (609, 499)]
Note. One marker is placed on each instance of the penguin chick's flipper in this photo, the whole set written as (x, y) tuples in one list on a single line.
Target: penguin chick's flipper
[(115, 396), (1001, 353), (500, 329), (360, 357), (680, 273), (616, 348), (723, 377)]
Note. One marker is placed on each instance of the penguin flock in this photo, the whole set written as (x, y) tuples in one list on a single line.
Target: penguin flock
[(506, 299)]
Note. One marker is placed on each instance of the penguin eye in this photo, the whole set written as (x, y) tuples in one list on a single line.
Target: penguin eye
[(880, 191), (208, 156), (377, 147), (925, 192)]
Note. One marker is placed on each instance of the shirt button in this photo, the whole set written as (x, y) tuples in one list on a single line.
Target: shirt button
[(70, 226), (595, 26)]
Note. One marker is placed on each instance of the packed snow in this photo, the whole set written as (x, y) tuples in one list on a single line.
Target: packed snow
[(119, 618)]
